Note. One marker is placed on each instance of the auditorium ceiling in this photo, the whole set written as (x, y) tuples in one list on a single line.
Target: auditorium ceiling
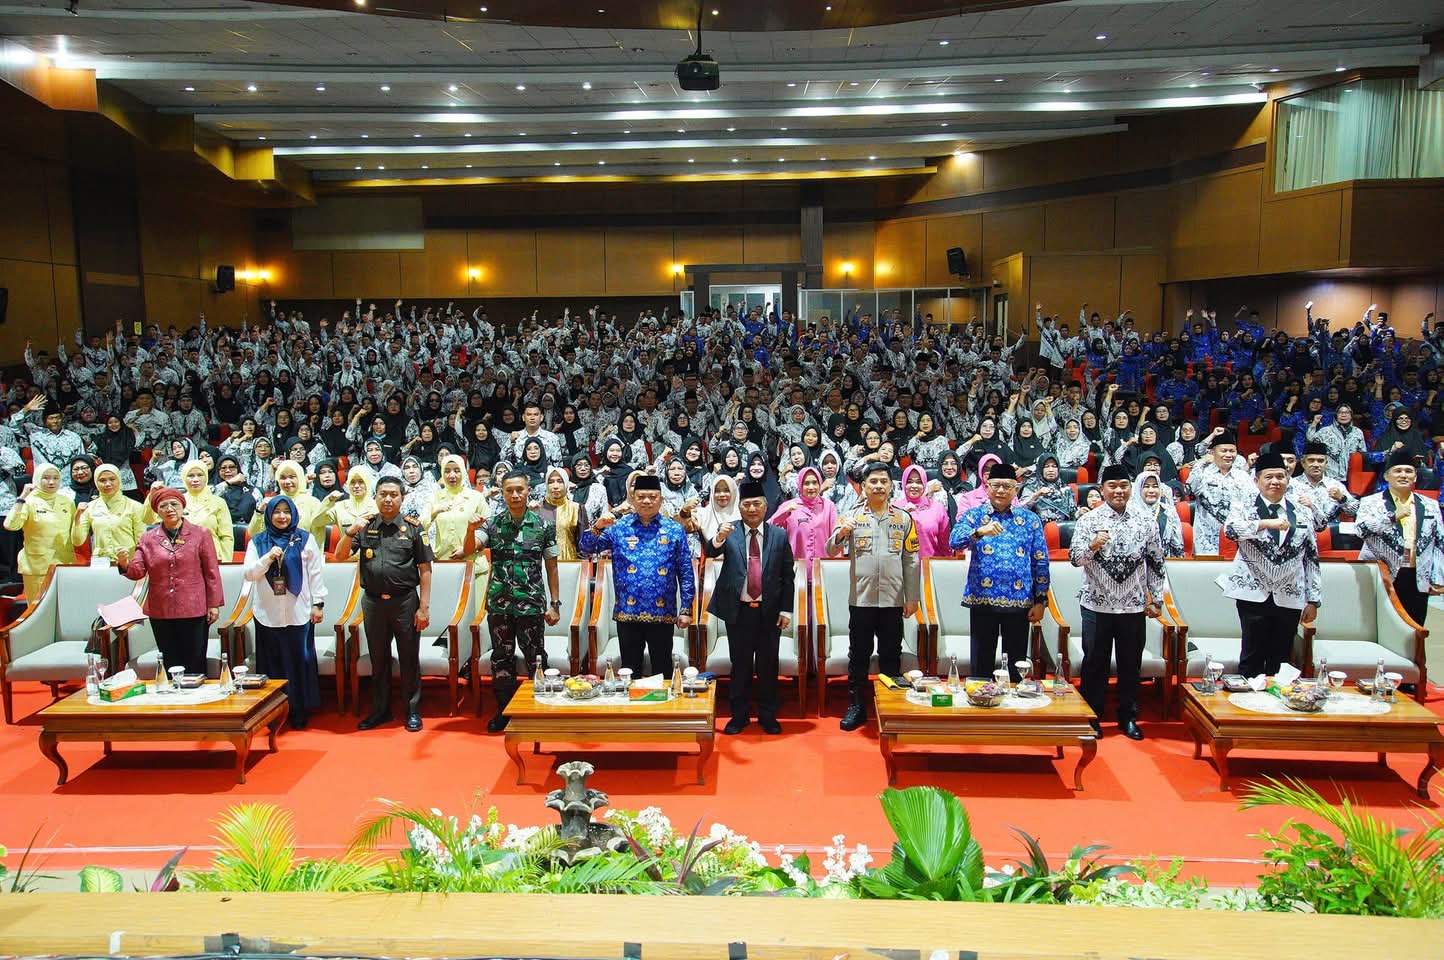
[(438, 90)]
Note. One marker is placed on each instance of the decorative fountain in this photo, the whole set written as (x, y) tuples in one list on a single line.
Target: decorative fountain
[(575, 803)]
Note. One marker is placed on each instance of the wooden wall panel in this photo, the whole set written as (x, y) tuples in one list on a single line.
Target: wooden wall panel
[(639, 261), (446, 263), (1216, 232), (372, 274), (168, 240), (1084, 223), (66, 285), (772, 243), (62, 218), (571, 262), (900, 253), (1140, 289), (173, 300), (1397, 224), (31, 315), (306, 275), (1017, 166), (414, 277), (1143, 218), (1063, 282), (847, 243), (939, 233), (25, 225), (1302, 232), (506, 259), (705, 245), (1015, 230), (958, 176)]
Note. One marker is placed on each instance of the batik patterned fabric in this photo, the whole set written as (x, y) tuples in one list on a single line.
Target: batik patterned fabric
[(1214, 493), (1284, 565), (518, 549), (651, 563), (1384, 537), (1324, 507), (1127, 572), (1009, 569)]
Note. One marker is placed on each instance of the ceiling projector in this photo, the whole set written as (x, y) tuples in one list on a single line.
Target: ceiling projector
[(699, 72)]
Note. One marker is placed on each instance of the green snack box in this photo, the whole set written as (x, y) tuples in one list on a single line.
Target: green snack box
[(942, 699)]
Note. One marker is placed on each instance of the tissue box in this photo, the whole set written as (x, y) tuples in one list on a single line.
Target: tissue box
[(122, 691)]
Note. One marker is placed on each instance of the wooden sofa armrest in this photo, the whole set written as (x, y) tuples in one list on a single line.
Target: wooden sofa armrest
[(819, 614), (929, 609)]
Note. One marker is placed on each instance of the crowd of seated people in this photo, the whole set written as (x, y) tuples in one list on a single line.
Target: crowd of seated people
[(450, 401)]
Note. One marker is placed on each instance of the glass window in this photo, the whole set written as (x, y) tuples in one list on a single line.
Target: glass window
[(1366, 130)]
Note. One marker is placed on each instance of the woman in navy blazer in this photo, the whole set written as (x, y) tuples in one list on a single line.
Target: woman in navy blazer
[(755, 614)]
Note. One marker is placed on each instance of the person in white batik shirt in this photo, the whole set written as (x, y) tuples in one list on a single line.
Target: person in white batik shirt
[(1121, 555), (1215, 483), (1404, 530), (1274, 579), (1322, 494)]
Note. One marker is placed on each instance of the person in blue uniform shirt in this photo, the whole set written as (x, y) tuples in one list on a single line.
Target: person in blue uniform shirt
[(651, 566), (1007, 585)]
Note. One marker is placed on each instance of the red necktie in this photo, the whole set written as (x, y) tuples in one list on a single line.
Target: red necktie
[(754, 567)]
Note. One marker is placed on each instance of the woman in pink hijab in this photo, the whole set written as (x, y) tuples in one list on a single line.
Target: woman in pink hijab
[(930, 518), (809, 518), (979, 494)]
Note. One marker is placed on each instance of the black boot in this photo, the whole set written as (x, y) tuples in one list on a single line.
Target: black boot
[(498, 723), (856, 715)]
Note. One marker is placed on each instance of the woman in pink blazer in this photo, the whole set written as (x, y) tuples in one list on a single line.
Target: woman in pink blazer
[(185, 596), (930, 518), (808, 518)]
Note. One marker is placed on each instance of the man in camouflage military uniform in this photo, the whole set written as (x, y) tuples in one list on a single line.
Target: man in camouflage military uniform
[(521, 542)]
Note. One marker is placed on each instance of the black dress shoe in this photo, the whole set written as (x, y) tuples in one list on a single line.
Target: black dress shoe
[(297, 723), (496, 724), (855, 717), (413, 723), (736, 725), (1130, 730), (770, 725), (374, 720)]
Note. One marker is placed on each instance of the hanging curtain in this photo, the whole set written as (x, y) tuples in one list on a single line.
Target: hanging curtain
[(1366, 130)]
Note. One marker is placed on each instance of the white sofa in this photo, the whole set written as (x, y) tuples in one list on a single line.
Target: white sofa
[(714, 655), (1062, 633), (561, 640), (453, 607), (1207, 621), (602, 642), (950, 623), (830, 627), (1361, 622), (46, 643), (137, 645)]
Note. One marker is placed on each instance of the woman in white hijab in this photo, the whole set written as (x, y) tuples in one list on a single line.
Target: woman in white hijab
[(1153, 498), (721, 509)]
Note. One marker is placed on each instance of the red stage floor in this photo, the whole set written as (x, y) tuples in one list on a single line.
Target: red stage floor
[(135, 807)]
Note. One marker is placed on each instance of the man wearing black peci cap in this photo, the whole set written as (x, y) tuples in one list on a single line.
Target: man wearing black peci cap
[(1274, 578), (1321, 493), (1404, 530), (754, 595), (1121, 555), (1215, 482)]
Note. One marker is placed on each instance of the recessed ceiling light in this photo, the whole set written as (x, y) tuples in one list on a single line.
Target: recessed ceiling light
[(360, 3), (872, 156), (734, 159), (626, 131), (320, 88), (601, 163), (731, 129), (574, 133), (828, 8), (451, 88), (782, 128), (358, 167), (681, 129), (999, 80), (250, 88), (385, 88), (556, 163), (586, 84), (468, 166), (521, 86), (425, 166), (466, 134), (521, 133), (781, 159), (260, 138), (714, 13), (190, 89), (792, 83), (1340, 69), (822, 158), (943, 124), (1190, 86), (1101, 36), (1273, 69), (365, 136), (944, 43), (601, 9), (311, 137), (1067, 89), (483, 9), (852, 83), (416, 135), (381, 166)]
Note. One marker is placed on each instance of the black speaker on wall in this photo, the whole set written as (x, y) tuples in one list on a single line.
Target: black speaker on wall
[(957, 262), (4, 302), (225, 278)]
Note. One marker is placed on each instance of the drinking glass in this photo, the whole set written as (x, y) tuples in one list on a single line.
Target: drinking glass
[(1024, 668), (1336, 680), (689, 680), (553, 678), (1391, 684), (1000, 677), (102, 667), (1323, 674), (238, 674), (624, 677), (1213, 675), (175, 677)]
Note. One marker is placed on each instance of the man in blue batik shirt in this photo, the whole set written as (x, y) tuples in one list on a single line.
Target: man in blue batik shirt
[(1007, 586), (651, 565)]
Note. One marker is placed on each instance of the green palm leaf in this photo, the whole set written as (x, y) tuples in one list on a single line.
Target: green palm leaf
[(932, 829)]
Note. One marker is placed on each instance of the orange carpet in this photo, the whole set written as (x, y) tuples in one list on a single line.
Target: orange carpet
[(134, 808)]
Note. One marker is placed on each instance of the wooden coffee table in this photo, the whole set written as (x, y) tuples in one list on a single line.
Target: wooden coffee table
[(682, 719), (1406, 728), (233, 720), (1064, 722)]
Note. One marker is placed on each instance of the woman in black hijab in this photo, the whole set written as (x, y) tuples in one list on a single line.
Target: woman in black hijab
[(326, 481), (533, 462), (760, 471), (82, 478)]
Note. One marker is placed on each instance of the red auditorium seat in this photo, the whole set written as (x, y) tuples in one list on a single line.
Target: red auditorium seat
[(1187, 539), (1360, 480), (1185, 511)]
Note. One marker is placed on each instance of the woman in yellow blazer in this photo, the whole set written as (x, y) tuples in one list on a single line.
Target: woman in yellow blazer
[(44, 513), (203, 508), (113, 519), (449, 517), (291, 481), (352, 507)]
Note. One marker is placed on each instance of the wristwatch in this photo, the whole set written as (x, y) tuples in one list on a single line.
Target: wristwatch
[(556, 604), (319, 606)]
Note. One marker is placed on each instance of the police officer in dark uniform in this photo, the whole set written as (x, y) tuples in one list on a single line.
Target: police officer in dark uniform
[(395, 559)]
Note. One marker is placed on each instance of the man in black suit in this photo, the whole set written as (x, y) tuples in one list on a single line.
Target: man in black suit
[(754, 596)]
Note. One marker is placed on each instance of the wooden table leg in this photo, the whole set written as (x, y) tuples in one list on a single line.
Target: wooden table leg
[(1220, 760), (885, 742), (49, 747), (705, 745), (281, 716), (1090, 750), (105, 748), (513, 750), (536, 748), (1383, 759), (242, 742), (1433, 766), (1057, 753)]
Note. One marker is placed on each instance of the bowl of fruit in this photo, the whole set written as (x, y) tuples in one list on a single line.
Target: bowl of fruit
[(582, 688), (986, 694), (1306, 698)]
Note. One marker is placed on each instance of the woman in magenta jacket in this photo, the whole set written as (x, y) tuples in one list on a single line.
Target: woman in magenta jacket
[(809, 518), (184, 597), (930, 518)]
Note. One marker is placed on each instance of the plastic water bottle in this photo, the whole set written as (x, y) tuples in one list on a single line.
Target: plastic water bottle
[(228, 684), (538, 679), (955, 684), (1379, 681)]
